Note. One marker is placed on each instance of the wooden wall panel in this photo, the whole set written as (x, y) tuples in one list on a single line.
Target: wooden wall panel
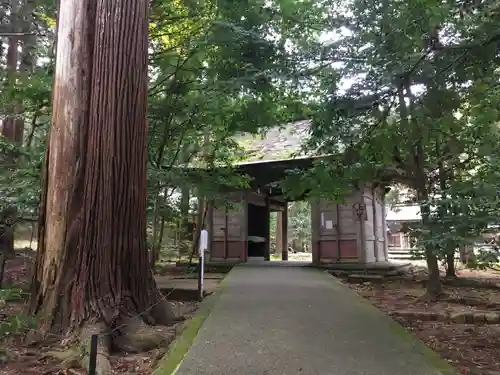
[(234, 250), (335, 237), (348, 225), (230, 246), (235, 221), (219, 222), (329, 250)]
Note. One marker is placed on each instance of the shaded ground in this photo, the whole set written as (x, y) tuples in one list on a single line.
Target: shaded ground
[(18, 357), (277, 320), (464, 329)]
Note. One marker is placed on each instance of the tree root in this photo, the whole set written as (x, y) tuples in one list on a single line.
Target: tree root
[(136, 336), (163, 314), (132, 336), (69, 358), (129, 334), (428, 297)]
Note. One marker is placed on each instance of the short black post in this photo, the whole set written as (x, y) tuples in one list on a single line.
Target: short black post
[(93, 355)]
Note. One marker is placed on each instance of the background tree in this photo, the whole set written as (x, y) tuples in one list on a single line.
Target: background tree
[(409, 110)]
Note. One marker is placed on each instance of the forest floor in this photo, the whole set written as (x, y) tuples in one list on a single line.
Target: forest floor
[(18, 356), (464, 327)]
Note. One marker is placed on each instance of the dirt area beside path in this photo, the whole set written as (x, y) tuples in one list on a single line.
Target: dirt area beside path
[(19, 357), (464, 328)]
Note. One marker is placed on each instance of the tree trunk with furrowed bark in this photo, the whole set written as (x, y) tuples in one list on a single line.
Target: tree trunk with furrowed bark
[(92, 273)]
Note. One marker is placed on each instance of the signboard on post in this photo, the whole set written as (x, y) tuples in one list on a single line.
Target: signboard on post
[(203, 246)]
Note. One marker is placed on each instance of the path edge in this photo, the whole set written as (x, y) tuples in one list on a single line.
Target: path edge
[(430, 356), (181, 344)]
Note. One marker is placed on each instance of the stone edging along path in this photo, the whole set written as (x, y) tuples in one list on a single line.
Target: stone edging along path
[(465, 317)]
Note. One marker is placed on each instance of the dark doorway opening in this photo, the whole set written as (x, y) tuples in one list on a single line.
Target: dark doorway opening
[(258, 222)]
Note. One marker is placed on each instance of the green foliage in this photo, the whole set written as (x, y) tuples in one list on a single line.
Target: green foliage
[(216, 69), (9, 295), (412, 100), (14, 324), (20, 185), (486, 258), (300, 221), (404, 92)]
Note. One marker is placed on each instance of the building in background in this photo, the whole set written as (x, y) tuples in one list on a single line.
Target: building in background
[(398, 219)]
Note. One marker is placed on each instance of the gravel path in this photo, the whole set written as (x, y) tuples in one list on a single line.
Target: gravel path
[(292, 320)]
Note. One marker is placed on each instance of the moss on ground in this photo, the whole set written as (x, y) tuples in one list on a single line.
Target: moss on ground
[(431, 357), (185, 339)]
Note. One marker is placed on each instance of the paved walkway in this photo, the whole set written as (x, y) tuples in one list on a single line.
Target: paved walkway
[(291, 321)]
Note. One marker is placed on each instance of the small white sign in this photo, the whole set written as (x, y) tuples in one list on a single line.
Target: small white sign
[(329, 224), (203, 242), (203, 246)]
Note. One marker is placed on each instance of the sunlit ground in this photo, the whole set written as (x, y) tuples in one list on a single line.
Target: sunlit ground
[(21, 244), (294, 257)]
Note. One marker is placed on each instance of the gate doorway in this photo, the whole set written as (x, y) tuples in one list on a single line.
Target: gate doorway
[(291, 229), (258, 231)]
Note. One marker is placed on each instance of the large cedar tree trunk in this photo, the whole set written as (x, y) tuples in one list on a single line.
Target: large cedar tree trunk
[(92, 271)]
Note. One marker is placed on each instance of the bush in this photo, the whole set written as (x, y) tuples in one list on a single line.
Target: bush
[(14, 324)]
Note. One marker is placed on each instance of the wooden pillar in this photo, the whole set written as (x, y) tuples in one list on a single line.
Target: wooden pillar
[(244, 228), (359, 213), (315, 234), (279, 232), (375, 223), (284, 232), (226, 231), (338, 232), (210, 228), (267, 250), (384, 225)]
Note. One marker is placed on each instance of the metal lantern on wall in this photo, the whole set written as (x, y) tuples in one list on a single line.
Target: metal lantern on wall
[(360, 210)]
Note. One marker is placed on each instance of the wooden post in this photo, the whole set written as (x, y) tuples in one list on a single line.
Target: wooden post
[(244, 227), (375, 223), (226, 232), (359, 213), (384, 227), (315, 229), (210, 228), (284, 232), (339, 234), (279, 232), (267, 250)]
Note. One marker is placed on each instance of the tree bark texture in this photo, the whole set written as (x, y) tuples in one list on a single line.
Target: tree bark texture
[(92, 262), (450, 264), (434, 286)]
